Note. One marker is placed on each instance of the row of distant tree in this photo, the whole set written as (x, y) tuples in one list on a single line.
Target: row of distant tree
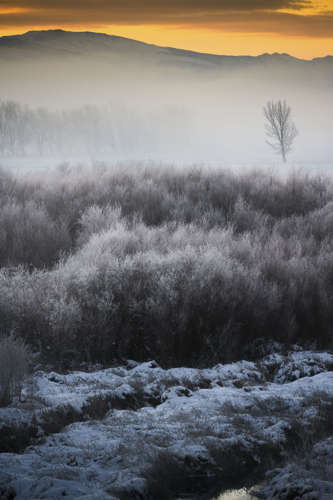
[(87, 130), (90, 130), (26, 131)]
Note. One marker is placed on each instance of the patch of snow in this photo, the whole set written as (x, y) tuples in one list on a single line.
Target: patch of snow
[(195, 410)]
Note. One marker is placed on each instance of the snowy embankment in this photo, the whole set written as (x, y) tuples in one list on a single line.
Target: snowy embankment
[(138, 431)]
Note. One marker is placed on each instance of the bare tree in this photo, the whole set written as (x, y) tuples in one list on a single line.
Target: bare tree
[(280, 127)]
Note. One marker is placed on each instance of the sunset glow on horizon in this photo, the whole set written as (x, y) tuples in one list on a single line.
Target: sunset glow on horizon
[(302, 28)]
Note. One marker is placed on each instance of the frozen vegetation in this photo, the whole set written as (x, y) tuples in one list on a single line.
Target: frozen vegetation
[(186, 266), (224, 279), (142, 432)]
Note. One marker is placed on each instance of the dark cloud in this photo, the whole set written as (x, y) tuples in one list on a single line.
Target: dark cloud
[(133, 7), (245, 16)]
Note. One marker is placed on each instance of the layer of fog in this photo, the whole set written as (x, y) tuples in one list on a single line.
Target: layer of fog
[(173, 108)]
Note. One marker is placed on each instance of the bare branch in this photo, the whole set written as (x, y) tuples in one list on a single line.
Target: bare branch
[(279, 127)]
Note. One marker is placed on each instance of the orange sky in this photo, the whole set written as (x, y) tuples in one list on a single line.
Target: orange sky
[(303, 28)]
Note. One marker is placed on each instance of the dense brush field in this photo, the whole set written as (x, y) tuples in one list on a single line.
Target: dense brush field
[(188, 266)]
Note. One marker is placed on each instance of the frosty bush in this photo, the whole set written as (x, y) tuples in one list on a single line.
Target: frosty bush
[(14, 359), (28, 235), (178, 265)]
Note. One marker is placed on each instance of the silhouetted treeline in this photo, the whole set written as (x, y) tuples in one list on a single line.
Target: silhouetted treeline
[(85, 131), (24, 131), (186, 266)]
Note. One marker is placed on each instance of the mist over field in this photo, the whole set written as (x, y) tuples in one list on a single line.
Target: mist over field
[(125, 99), (166, 278)]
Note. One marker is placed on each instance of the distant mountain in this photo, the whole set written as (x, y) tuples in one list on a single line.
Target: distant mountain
[(60, 43), (64, 68)]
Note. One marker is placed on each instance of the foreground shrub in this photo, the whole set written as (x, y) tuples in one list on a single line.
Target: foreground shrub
[(14, 363), (181, 266), (29, 236)]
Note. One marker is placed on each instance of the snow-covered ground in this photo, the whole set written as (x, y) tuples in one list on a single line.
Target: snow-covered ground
[(137, 427)]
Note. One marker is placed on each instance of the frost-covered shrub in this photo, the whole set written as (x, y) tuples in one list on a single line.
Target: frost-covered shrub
[(36, 305), (14, 363), (95, 220), (178, 265), (29, 236)]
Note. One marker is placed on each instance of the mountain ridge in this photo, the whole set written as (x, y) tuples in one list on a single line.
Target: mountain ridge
[(40, 37), (65, 68)]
